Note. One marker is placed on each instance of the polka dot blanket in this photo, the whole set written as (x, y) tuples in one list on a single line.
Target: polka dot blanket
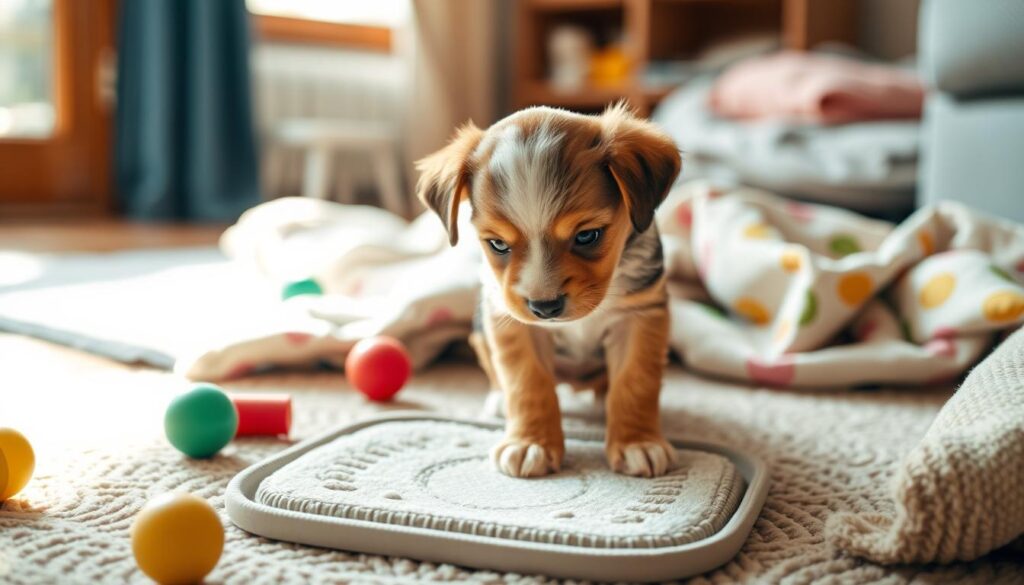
[(763, 289)]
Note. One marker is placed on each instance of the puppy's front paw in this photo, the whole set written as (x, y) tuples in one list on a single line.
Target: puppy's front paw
[(648, 458), (524, 458)]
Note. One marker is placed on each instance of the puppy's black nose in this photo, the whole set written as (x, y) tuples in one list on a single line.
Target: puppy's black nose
[(547, 309)]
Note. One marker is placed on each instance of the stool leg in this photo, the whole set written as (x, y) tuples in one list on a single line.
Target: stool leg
[(314, 181), (386, 168), (344, 184)]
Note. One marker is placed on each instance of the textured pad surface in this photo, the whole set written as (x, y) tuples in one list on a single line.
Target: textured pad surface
[(437, 474)]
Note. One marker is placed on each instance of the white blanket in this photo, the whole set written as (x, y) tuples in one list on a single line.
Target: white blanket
[(763, 289)]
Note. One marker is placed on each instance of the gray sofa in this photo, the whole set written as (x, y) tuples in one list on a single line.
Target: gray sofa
[(972, 55)]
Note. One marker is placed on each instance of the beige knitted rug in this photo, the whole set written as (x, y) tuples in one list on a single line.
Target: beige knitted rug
[(97, 433)]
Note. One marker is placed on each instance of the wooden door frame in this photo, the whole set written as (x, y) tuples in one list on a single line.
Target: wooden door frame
[(71, 171)]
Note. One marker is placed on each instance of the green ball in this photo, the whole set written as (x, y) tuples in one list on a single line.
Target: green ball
[(301, 287), (200, 422)]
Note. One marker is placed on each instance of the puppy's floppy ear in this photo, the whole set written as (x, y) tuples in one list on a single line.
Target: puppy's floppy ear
[(643, 161), (444, 177)]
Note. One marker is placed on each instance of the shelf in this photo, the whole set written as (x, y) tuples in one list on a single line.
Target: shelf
[(657, 30), (605, 4), (714, 1), (540, 92), (557, 5)]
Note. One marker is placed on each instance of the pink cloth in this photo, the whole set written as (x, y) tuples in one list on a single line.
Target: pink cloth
[(815, 88)]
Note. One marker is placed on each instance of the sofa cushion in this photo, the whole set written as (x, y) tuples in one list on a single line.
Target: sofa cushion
[(973, 152), (975, 47)]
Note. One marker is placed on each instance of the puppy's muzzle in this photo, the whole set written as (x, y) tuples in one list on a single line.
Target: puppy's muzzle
[(548, 309)]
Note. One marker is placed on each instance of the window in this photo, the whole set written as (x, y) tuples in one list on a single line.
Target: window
[(55, 124), (362, 25), (381, 13), (26, 69)]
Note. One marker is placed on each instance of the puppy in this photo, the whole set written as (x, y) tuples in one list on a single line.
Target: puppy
[(563, 205)]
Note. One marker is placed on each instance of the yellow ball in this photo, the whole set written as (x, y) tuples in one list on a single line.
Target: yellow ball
[(17, 461), (177, 538)]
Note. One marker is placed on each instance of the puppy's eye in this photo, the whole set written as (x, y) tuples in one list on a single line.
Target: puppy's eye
[(499, 246), (587, 237)]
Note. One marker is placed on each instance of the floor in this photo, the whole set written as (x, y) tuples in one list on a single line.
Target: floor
[(102, 236), (23, 359), (31, 366), (98, 437)]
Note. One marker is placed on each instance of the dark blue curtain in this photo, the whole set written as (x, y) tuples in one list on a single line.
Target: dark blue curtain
[(186, 147)]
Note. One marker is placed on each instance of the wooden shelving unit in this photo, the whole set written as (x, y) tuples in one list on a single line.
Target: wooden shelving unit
[(540, 92), (660, 30)]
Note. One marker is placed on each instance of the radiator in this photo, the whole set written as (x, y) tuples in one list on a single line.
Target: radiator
[(294, 81)]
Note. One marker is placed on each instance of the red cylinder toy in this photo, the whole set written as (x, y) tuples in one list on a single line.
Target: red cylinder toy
[(263, 414)]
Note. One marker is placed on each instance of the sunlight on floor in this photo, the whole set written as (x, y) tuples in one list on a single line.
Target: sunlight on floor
[(19, 268), (72, 403)]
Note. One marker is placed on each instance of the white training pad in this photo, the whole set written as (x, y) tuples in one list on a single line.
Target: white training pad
[(423, 487)]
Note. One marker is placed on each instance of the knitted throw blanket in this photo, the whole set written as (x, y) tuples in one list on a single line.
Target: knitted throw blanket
[(960, 493)]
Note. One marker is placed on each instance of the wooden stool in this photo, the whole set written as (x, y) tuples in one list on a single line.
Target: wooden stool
[(322, 138)]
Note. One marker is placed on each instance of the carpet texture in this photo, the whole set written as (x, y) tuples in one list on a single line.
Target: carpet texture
[(101, 456)]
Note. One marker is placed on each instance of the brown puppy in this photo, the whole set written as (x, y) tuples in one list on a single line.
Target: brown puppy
[(563, 205)]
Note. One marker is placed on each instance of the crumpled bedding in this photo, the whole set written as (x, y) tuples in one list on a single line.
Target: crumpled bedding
[(763, 289), (868, 166), (817, 88)]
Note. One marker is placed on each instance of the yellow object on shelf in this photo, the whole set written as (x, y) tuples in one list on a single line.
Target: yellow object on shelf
[(610, 66), (177, 538), (17, 462)]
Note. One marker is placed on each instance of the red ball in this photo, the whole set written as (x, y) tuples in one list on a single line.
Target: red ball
[(378, 367)]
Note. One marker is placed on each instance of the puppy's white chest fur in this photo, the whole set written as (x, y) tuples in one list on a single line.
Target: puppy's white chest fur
[(578, 347)]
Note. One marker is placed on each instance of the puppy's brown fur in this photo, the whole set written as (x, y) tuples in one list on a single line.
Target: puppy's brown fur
[(539, 183)]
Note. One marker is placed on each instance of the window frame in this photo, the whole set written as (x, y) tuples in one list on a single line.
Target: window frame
[(69, 171), (317, 32)]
